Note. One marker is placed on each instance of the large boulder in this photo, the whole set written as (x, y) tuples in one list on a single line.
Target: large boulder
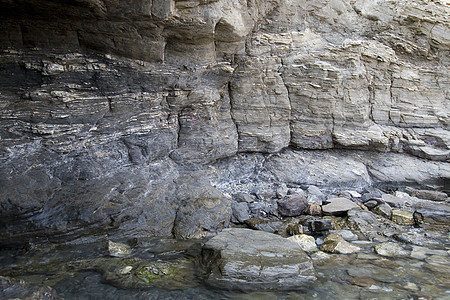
[(249, 259)]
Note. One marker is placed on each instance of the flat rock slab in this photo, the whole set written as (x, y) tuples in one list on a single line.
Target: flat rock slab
[(248, 259), (338, 206)]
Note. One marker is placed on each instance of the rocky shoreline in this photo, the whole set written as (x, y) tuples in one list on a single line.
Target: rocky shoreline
[(306, 243), (159, 146), (302, 238)]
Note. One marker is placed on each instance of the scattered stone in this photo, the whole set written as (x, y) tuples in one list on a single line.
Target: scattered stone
[(263, 209), (381, 274), (282, 191), (314, 210), (125, 270), (334, 243), (314, 190), (438, 260), (353, 194), (401, 194), (367, 256), (306, 242), (390, 249), (369, 224), (320, 256), (264, 225), (347, 235), (316, 225), (413, 236), (288, 226), (294, 229), (118, 249), (338, 206), (243, 197), (402, 217), (438, 264), (383, 210), (370, 194), (397, 202), (411, 286), (432, 215), (292, 205), (429, 195), (239, 212), (363, 281), (248, 259), (429, 251), (418, 253), (371, 203)]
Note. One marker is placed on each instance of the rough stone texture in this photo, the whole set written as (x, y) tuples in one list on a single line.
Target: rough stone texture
[(306, 242), (106, 103), (203, 208), (338, 206), (383, 210), (292, 205), (239, 212), (402, 217), (248, 259), (271, 226), (12, 288), (391, 250), (429, 195), (334, 243)]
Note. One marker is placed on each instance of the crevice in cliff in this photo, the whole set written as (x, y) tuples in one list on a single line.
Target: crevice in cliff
[(230, 97), (391, 97), (283, 80)]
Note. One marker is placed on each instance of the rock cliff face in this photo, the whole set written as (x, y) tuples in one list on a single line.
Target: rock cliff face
[(136, 115)]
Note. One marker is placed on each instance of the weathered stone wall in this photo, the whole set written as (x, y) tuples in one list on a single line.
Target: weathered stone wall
[(109, 108)]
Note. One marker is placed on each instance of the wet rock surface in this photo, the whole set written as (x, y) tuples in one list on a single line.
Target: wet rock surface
[(240, 258), (20, 289)]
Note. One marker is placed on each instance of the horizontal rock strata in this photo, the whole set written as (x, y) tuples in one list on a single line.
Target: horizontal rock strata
[(110, 110)]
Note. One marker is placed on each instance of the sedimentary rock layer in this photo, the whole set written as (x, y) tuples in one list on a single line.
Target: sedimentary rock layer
[(110, 108)]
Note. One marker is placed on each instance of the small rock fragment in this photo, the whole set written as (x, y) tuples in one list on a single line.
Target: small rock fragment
[(118, 249), (383, 210), (239, 212), (306, 242), (338, 206), (292, 205), (402, 217), (334, 243), (390, 249), (430, 195)]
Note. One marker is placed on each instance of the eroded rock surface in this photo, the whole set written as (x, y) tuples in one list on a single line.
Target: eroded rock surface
[(249, 259), (106, 105)]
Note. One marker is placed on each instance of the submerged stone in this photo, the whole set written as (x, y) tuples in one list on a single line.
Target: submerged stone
[(391, 250), (11, 288), (248, 259), (118, 249)]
